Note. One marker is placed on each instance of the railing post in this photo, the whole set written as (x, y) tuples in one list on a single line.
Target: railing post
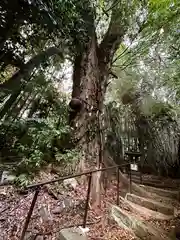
[(87, 201), (118, 182), (141, 181), (29, 214), (130, 177)]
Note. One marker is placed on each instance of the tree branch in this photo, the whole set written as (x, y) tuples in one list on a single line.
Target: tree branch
[(113, 37), (14, 83)]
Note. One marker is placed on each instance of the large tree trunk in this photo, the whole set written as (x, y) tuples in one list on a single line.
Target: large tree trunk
[(88, 86), (90, 77)]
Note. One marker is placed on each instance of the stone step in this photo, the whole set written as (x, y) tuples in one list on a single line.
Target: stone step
[(137, 226), (72, 234), (138, 179), (145, 176), (154, 179), (151, 179), (135, 173), (147, 182), (143, 211), (165, 200), (157, 185), (150, 204), (162, 192)]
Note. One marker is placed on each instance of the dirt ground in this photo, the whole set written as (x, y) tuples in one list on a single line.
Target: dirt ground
[(49, 217)]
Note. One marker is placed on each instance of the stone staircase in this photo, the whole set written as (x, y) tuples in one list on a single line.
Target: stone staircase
[(151, 204), (162, 196), (162, 203), (153, 181)]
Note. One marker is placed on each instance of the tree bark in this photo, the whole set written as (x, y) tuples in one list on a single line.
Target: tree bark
[(85, 87), (6, 107), (91, 70), (88, 80), (34, 106), (15, 82)]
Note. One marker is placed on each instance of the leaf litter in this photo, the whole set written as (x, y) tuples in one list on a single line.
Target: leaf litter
[(47, 223)]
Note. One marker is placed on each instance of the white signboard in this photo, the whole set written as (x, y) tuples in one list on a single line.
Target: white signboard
[(134, 167)]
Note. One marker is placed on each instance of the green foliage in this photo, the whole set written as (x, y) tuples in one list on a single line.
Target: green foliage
[(148, 69), (158, 110), (22, 180), (30, 27), (33, 141), (146, 64), (36, 138), (69, 156)]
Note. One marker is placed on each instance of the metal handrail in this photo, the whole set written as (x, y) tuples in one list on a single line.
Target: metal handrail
[(75, 175), (37, 187)]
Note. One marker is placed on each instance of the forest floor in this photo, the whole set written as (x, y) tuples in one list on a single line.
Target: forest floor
[(49, 217)]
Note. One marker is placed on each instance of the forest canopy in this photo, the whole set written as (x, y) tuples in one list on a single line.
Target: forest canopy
[(124, 57)]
